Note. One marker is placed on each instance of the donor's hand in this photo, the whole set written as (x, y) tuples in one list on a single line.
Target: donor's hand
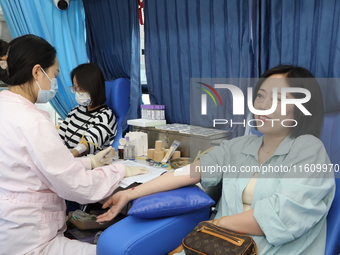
[(118, 202)]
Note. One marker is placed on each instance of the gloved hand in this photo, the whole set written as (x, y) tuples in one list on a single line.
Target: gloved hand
[(135, 170), (102, 158)]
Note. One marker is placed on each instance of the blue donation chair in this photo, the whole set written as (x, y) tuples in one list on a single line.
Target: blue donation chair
[(132, 236), (118, 100)]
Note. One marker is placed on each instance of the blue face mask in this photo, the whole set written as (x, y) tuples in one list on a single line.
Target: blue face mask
[(45, 96)]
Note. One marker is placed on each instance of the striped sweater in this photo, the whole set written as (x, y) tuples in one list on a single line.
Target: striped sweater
[(98, 126)]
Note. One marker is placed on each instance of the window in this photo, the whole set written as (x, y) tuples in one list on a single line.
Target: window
[(143, 80)]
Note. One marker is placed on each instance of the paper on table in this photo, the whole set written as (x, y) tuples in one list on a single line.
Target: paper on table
[(152, 174)]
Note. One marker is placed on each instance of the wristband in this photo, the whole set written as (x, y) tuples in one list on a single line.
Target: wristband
[(81, 148)]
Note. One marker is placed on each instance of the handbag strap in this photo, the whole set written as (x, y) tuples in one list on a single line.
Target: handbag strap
[(216, 221)]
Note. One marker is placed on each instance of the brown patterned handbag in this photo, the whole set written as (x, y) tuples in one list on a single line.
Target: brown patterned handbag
[(207, 238)]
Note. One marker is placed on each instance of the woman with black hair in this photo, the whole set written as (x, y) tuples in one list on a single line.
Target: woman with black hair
[(37, 172), (91, 125), (270, 193)]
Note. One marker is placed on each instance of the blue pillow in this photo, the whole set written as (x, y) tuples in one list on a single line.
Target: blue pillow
[(170, 203)]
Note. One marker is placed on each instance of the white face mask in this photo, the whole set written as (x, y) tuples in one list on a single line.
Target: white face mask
[(45, 96), (83, 98)]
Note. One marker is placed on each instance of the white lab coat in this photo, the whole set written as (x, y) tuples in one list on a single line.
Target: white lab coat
[(37, 174)]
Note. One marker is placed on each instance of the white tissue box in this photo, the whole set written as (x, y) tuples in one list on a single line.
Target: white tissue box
[(140, 141)]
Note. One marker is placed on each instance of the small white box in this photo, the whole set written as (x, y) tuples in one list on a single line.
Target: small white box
[(140, 141)]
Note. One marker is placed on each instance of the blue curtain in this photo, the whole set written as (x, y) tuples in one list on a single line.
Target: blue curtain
[(187, 39), (63, 29), (304, 33), (112, 40)]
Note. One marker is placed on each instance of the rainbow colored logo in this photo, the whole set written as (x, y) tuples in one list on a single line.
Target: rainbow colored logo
[(210, 94)]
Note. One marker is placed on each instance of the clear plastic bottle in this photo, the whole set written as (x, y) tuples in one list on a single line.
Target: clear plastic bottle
[(154, 112), (148, 112), (143, 111), (129, 149), (162, 112), (157, 112)]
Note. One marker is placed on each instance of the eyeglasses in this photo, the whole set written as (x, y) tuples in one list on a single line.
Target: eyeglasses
[(76, 89)]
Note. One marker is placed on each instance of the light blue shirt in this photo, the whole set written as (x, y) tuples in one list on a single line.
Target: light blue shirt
[(290, 203)]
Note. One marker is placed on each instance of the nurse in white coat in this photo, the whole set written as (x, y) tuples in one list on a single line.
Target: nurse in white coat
[(37, 171)]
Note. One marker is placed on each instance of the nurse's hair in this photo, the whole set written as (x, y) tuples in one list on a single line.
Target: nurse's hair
[(300, 77), (22, 55), (90, 78)]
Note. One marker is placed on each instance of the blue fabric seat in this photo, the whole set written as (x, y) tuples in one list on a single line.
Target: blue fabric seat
[(118, 100), (159, 236)]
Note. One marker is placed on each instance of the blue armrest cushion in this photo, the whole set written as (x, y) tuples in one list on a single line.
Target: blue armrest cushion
[(170, 203), (135, 236)]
